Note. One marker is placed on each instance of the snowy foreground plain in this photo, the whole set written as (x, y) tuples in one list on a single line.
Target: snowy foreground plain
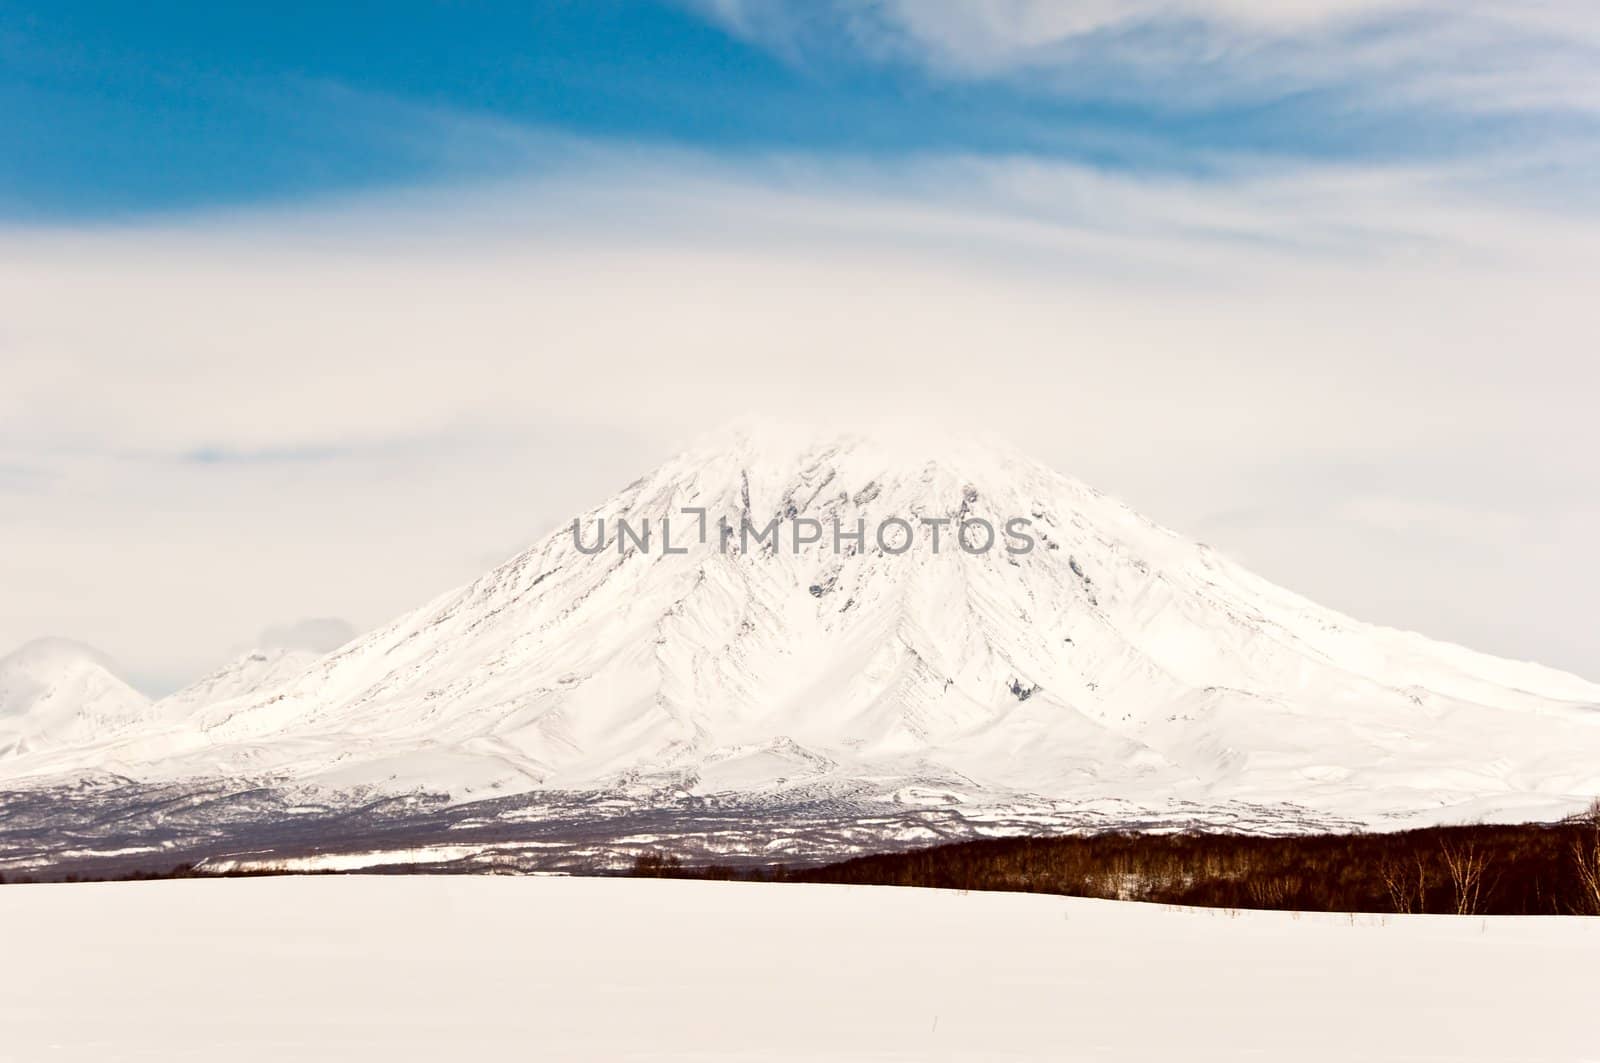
[(419, 967)]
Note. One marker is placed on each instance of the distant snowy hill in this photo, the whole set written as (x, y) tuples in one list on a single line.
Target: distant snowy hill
[(1114, 661), (58, 693), (248, 674)]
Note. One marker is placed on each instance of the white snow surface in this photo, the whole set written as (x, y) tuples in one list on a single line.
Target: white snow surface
[(1154, 669), (425, 968)]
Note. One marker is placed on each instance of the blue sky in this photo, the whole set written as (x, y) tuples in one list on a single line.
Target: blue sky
[(115, 109)]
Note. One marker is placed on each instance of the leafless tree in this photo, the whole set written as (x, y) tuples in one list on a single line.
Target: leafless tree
[(1465, 863), (1586, 854), (1407, 883)]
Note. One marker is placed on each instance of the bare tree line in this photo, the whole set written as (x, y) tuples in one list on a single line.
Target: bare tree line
[(1529, 869)]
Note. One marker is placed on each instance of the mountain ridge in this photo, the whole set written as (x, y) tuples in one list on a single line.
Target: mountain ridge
[(1115, 660)]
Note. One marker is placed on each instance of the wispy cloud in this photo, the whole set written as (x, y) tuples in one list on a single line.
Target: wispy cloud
[(276, 455), (1454, 55)]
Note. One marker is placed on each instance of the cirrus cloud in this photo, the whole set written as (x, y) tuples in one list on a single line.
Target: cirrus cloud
[(1461, 55)]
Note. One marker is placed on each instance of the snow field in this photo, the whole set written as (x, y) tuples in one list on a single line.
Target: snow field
[(417, 967)]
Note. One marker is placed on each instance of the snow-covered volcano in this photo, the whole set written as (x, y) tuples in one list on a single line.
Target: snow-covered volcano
[(1111, 660)]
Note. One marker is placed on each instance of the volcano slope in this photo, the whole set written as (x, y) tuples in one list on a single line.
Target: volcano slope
[(789, 648)]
